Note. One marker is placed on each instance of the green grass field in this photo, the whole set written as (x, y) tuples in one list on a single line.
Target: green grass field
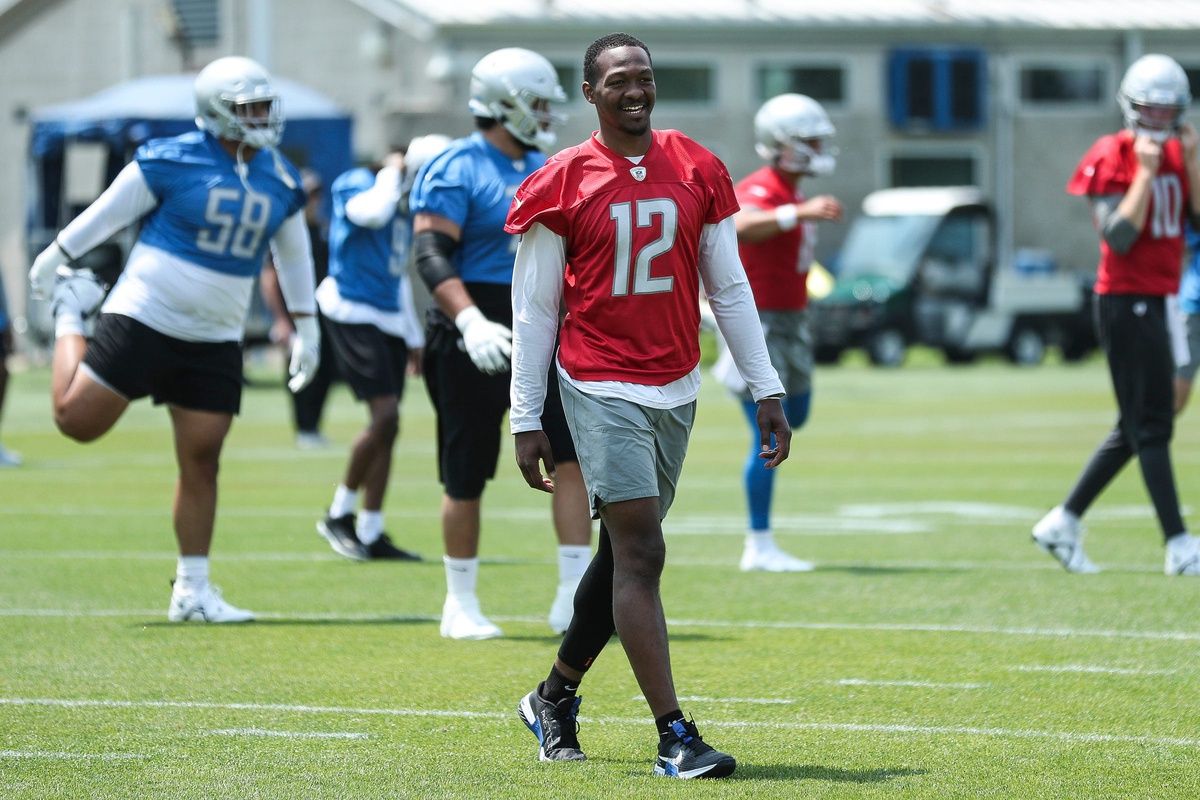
[(935, 653)]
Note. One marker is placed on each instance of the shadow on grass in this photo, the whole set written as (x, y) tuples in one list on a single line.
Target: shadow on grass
[(792, 772), (865, 569), (816, 772), (297, 621)]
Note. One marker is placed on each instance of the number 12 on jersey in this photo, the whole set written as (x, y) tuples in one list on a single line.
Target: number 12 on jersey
[(624, 261)]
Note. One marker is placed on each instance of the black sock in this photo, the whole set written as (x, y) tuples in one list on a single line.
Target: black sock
[(557, 686), (664, 722)]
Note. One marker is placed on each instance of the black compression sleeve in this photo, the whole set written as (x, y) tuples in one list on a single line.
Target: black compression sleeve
[(433, 249)]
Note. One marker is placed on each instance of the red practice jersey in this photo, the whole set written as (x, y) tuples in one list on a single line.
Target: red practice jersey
[(632, 236), (772, 265), (1152, 265)]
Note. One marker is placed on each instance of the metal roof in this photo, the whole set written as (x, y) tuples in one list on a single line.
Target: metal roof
[(628, 14)]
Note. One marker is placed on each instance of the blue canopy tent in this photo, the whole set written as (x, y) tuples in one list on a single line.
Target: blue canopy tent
[(317, 135)]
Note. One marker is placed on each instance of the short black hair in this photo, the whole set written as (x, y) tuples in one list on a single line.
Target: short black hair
[(609, 42)]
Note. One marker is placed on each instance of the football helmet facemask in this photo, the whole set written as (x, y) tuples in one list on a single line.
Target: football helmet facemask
[(1154, 95), (792, 131), (235, 100), (518, 88)]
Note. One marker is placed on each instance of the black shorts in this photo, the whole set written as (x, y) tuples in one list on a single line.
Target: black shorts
[(371, 361), (470, 408), (136, 360)]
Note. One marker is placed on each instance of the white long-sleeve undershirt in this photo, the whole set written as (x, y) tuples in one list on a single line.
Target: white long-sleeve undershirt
[(537, 295), (375, 207), (127, 199), (291, 251)]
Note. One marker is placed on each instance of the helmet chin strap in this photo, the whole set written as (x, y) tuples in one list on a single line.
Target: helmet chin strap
[(243, 169)]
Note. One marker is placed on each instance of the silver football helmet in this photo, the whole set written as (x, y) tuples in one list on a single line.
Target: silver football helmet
[(783, 129), (1154, 95), (230, 95), (518, 88), (420, 151)]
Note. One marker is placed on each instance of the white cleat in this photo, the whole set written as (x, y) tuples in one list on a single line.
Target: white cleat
[(462, 619), (1060, 533), (204, 605), (1183, 558), (757, 558), (563, 609)]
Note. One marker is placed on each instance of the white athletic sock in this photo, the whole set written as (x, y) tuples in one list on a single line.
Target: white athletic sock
[(344, 502), (369, 527), (68, 322), (572, 563), (191, 572), (760, 540), (461, 574)]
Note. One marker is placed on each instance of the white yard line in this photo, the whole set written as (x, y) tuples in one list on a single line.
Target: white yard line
[(762, 701), (1090, 669), (52, 755), (1078, 737), (891, 627), (286, 734), (912, 684)]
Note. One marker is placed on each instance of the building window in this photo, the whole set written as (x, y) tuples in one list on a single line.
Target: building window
[(198, 21), (932, 171), (567, 79), (823, 83), (937, 89), (683, 84), (1062, 84), (1193, 76)]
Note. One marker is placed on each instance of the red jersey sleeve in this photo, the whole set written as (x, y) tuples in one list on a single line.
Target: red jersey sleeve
[(723, 199), (1103, 170), (538, 200)]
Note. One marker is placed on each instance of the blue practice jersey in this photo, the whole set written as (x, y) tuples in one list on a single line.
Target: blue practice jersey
[(472, 184), (1189, 287), (368, 264), (205, 215)]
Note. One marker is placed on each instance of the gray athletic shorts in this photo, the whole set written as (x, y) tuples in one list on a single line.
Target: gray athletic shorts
[(790, 345), (627, 451), (1187, 370)]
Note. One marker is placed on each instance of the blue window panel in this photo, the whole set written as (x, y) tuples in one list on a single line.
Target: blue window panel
[(937, 88)]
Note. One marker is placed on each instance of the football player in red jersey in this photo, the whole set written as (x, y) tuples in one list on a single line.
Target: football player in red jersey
[(776, 236), (1141, 182), (621, 230)]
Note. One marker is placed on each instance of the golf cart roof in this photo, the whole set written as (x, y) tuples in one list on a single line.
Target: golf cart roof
[(933, 201)]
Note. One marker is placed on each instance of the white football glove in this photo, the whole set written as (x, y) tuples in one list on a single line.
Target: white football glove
[(489, 344), (306, 353), (41, 274)]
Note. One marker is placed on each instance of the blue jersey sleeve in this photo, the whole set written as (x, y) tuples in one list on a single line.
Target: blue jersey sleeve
[(160, 161), (443, 187), (298, 200)]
